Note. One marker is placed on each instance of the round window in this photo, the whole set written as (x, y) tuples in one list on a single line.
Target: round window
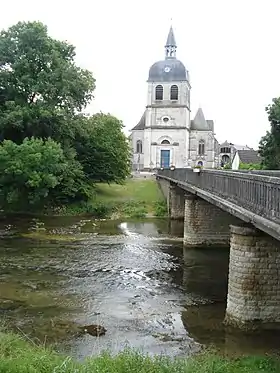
[(165, 119)]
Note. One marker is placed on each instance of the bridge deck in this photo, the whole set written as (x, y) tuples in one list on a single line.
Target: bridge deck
[(253, 197)]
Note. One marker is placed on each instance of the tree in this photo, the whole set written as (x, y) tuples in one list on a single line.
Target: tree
[(50, 152), (41, 88), (269, 147), (102, 148), (35, 173)]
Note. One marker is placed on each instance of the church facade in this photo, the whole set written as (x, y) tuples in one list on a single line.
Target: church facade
[(166, 136)]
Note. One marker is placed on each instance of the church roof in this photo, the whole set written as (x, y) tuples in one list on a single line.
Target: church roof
[(249, 156), (141, 124), (199, 123), (170, 38), (168, 70)]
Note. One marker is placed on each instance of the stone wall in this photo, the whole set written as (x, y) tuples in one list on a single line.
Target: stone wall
[(254, 281), (205, 224)]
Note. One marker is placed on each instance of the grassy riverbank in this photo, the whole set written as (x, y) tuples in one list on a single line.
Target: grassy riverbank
[(19, 356), (137, 198)]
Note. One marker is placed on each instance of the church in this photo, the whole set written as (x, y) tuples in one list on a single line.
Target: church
[(166, 136)]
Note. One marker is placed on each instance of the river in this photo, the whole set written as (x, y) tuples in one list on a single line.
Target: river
[(134, 278)]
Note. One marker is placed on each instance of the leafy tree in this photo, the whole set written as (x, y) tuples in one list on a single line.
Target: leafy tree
[(36, 172), (50, 152), (41, 88), (269, 147), (102, 148)]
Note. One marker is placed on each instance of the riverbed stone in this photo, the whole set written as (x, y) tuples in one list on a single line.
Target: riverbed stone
[(94, 330)]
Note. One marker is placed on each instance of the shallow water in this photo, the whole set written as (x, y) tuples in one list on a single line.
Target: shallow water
[(134, 278)]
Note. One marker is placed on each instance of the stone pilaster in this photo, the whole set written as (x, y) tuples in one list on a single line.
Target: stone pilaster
[(205, 224), (254, 279), (176, 203)]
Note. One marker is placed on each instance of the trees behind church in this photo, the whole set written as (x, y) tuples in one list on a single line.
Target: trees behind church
[(50, 151), (269, 148)]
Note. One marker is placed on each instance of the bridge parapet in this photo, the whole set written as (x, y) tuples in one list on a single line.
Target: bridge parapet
[(257, 193)]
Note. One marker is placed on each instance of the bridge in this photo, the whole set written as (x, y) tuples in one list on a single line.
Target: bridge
[(240, 210)]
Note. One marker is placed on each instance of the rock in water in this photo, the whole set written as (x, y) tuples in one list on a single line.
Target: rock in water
[(95, 330)]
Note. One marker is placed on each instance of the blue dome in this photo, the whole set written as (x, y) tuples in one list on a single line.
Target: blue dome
[(168, 70)]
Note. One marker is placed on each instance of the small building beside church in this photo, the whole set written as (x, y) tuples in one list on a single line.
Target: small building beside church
[(227, 151), (247, 157), (166, 136)]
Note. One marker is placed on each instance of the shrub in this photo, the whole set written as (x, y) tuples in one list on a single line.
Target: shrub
[(160, 209), (37, 172)]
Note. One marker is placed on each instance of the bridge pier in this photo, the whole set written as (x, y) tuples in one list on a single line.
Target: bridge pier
[(254, 279), (176, 203), (205, 224)]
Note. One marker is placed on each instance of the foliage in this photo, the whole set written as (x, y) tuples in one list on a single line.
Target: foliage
[(18, 356), (103, 149), (134, 209), (269, 147), (32, 173), (97, 210), (41, 87), (42, 96), (250, 166), (160, 209)]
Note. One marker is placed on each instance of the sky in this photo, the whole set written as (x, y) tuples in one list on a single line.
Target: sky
[(230, 47)]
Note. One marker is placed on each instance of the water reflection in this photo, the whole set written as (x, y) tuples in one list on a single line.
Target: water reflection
[(206, 273)]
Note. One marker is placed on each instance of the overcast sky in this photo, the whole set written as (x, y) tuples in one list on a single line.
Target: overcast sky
[(230, 47)]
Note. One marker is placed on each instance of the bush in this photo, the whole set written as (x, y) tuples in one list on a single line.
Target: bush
[(37, 172), (134, 209), (97, 210), (160, 209)]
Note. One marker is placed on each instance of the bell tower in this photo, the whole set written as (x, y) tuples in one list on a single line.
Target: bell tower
[(167, 116)]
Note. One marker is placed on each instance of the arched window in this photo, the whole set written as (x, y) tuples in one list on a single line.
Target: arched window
[(165, 142), (201, 147), (139, 146), (225, 159), (200, 163), (174, 92), (159, 92)]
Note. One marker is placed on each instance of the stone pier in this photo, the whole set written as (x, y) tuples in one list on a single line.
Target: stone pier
[(254, 282), (176, 203), (205, 224)]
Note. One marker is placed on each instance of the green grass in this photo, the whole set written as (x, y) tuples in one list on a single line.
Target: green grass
[(137, 198), (136, 190), (19, 356)]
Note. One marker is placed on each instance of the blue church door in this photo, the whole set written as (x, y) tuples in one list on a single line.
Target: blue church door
[(165, 158)]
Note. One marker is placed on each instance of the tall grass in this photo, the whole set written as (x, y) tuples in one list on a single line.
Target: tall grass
[(19, 356)]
